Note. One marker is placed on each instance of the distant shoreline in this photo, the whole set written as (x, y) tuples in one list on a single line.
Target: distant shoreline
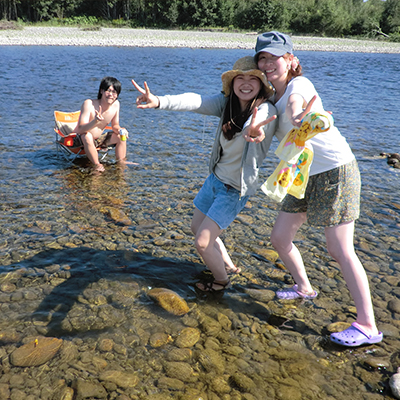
[(126, 37)]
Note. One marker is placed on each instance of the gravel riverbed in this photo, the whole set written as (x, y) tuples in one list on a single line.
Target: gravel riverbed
[(60, 36)]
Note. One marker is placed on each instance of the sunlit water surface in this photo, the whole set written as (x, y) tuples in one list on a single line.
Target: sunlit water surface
[(54, 212)]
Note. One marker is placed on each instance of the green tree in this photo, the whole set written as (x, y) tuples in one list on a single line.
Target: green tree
[(390, 20), (261, 15)]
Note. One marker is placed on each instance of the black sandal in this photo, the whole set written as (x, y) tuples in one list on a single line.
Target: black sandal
[(209, 286)]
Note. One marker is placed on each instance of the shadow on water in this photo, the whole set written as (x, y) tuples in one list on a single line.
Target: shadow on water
[(79, 268)]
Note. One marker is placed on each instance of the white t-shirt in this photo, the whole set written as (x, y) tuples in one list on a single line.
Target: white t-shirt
[(331, 149)]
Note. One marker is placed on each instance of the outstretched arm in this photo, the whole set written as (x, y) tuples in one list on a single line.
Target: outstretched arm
[(146, 99), (254, 131), (294, 108)]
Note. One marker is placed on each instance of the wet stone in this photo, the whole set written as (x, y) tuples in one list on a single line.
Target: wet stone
[(179, 354), (169, 301), (170, 383), (8, 287), (85, 389), (36, 352), (210, 325), (106, 345), (212, 361), (263, 295), (116, 215), (187, 337), (122, 379), (269, 254), (178, 370), (394, 305), (337, 327), (394, 383), (159, 339), (375, 363)]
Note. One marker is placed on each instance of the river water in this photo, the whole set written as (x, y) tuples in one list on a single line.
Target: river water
[(79, 252)]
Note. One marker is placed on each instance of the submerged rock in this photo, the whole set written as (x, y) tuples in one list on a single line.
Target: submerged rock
[(394, 383), (36, 352), (116, 215), (120, 378), (169, 301), (187, 337)]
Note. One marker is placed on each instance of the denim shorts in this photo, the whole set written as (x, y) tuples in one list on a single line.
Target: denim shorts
[(331, 198), (219, 202)]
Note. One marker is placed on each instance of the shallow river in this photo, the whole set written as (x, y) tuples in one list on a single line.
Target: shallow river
[(79, 252)]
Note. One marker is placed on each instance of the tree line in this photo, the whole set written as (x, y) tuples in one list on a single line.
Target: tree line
[(335, 18)]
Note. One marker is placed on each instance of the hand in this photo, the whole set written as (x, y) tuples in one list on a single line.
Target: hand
[(124, 132), (254, 132), (297, 120), (146, 97), (98, 115)]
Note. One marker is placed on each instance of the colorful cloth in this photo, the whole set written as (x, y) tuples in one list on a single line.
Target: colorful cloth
[(293, 144), (291, 175)]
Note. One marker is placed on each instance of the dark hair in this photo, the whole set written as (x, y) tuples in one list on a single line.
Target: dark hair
[(108, 81), (234, 118)]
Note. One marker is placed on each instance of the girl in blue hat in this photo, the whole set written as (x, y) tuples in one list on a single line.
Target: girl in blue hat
[(332, 198)]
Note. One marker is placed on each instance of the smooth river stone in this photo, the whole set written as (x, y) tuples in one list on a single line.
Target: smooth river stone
[(36, 352), (169, 301)]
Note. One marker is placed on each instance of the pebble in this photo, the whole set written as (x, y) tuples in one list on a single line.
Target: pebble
[(394, 383)]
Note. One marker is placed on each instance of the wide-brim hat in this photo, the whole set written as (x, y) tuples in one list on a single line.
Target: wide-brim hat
[(244, 66)]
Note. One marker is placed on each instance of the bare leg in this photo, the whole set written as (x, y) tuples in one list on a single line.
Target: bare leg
[(198, 218), (340, 245), (120, 147), (90, 150), (282, 236)]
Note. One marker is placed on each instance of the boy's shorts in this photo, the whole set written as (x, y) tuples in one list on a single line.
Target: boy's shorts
[(331, 198), (219, 202), (103, 140)]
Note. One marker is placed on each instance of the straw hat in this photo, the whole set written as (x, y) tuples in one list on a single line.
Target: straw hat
[(244, 66)]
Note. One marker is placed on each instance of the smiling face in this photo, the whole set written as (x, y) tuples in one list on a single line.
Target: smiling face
[(110, 95), (274, 67), (246, 88)]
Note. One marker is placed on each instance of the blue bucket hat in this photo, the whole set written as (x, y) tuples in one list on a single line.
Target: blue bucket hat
[(275, 43)]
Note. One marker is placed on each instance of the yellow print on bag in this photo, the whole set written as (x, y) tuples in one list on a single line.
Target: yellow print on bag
[(302, 134), (284, 177)]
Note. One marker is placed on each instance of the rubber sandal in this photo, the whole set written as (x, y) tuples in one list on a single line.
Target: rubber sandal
[(355, 336), (292, 294), (209, 286)]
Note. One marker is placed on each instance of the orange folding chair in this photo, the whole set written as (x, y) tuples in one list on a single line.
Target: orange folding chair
[(68, 141)]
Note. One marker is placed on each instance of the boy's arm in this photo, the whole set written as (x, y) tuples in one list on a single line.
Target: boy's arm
[(86, 123), (115, 120)]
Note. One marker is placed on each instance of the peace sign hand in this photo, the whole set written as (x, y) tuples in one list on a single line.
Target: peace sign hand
[(254, 132), (98, 115), (146, 99), (297, 120)]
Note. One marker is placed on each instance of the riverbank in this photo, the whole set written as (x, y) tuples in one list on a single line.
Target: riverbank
[(124, 37)]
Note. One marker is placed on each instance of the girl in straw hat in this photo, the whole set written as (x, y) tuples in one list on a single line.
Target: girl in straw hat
[(234, 163), (332, 197)]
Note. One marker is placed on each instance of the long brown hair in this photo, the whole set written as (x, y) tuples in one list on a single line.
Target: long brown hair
[(234, 118)]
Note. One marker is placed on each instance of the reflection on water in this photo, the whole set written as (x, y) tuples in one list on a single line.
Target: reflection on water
[(80, 252)]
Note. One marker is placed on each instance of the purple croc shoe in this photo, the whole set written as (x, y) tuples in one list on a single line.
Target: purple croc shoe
[(293, 293), (355, 336)]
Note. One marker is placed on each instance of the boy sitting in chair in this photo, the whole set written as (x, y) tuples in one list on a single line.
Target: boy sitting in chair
[(95, 116)]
